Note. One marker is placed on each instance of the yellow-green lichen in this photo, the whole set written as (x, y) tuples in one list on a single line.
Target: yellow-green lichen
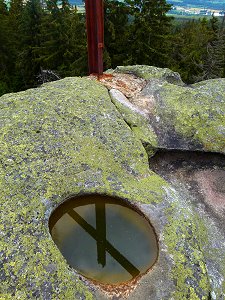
[(189, 270), (137, 120), (196, 113), (151, 72), (61, 139), (67, 138)]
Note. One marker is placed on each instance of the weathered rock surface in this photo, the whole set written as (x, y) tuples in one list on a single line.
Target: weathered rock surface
[(67, 138), (183, 117), (200, 176)]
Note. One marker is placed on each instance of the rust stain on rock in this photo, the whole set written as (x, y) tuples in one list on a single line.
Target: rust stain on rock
[(128, 84), (116, 291)]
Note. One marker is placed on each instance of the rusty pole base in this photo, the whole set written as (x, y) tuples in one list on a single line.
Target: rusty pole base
[(103, 76), (95, 35)]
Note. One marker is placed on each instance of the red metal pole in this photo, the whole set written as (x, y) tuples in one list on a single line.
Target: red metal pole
[(95, 35)]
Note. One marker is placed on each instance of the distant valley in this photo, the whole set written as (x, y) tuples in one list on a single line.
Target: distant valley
[(76, 2), (207, 4)]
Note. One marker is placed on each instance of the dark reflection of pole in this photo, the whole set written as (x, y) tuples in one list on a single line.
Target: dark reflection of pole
[(101, 232), (81, 201), (109, 247)]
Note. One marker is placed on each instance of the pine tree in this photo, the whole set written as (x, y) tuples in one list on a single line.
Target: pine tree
[(65, 7), (63, 40), (4, 57), (48, 53), (15, 15), (27, 62), (190, 48), (116, 33), (75, 53), (14, 37), (149, 39), (214, 62)]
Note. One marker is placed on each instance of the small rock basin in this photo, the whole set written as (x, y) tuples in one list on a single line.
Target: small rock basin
[(106, 239)]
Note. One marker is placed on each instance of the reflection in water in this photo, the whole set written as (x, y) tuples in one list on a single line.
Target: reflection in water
[(103, 238)]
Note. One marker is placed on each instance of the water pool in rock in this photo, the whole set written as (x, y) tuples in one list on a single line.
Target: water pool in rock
[(105, 239)]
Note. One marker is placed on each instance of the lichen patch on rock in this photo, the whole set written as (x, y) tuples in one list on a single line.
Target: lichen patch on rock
[(182, 117), (70, 137)]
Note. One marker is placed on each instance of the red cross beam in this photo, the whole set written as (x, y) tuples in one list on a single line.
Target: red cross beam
[(95, 35)]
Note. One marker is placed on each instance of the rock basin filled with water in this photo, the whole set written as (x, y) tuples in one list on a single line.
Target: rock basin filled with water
[(104, 238)]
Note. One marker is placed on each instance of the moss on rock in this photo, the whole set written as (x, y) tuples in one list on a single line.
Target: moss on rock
[(137, 120), (183, 117), (197, 114), (61, 139), (151, 72), (67, 138)]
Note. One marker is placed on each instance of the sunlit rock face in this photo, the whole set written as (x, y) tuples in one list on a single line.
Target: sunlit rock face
[(70, 138), (188, 117)]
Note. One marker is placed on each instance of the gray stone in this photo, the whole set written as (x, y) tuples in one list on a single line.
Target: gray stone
[(68, 138), (183, 117)]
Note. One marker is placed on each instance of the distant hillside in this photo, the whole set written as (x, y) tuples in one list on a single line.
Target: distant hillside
[(76, 2), (213, 4)]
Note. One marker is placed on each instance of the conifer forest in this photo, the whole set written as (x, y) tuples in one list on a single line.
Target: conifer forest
[(45, 40)]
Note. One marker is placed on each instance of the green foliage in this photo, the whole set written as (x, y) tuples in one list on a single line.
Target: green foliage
[(37, 37), (49, 38), (3, 48), (116, 33), (198, 51), (62, 40), (190, 42), (214, 65), (27, 65), (11, 44), (149, 32)]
